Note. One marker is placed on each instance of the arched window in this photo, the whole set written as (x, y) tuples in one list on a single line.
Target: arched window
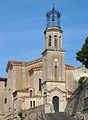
[(49, 42), (55, 71), (30, 93), (60, 41), (55, 41), (5, 101), (33, 103), (30, 104)]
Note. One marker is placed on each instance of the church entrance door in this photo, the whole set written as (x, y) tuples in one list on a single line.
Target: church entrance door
[(55, 101)]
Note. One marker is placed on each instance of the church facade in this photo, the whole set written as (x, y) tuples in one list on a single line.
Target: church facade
[(46, 81)]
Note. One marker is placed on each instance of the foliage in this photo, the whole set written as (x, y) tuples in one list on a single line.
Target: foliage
[(20, 115), (81, 80), (82, 55)]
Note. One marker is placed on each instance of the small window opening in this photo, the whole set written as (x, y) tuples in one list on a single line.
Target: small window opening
[(30, 93), (49, 40), (55, 71), (5, 101), (55, 41), (30, 104), (39, 84), (33, 103), (9, 109)]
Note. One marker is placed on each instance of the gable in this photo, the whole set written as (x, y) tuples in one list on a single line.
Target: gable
[(56, 89)]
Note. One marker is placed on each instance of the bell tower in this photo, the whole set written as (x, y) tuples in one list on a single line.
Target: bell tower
[(53, 32), (53, 55), (53, 60)]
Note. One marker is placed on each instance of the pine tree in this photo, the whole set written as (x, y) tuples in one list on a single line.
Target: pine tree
[(82, 55)]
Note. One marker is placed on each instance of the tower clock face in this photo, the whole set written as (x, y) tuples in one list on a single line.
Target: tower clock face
[(55, 60)]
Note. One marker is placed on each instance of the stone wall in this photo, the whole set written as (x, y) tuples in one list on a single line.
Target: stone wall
[(2, 98), (36, 113)]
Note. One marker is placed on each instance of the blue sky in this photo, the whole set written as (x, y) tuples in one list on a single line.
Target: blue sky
[(22, 23)]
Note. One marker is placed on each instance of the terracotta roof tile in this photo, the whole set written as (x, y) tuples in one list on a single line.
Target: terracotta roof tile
[(67, 66)]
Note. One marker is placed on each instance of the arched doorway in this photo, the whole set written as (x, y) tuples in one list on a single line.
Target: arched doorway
[(55, 102)]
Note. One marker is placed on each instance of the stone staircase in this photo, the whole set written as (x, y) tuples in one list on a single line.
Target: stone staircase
[(38, 113), (58, 116)]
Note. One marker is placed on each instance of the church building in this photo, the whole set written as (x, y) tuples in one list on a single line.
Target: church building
[(45, 81)]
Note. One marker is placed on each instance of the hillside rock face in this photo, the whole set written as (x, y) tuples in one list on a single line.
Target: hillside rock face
[(78, 103)]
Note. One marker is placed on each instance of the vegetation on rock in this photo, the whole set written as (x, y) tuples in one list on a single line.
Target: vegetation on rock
[(81, 80)]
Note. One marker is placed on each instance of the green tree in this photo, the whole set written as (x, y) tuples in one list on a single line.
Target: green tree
[(82, 55), (81, 80)]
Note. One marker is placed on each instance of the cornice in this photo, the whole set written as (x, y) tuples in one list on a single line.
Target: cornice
[(53, 28)]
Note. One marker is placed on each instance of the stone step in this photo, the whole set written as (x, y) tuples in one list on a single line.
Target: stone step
[(58, 116)]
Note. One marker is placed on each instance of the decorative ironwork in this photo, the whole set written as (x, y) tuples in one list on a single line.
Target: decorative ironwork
[(53, 18)]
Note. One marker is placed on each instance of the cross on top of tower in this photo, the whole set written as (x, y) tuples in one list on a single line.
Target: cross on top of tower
[(53, 18)]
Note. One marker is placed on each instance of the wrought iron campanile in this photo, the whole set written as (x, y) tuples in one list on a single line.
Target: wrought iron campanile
[(53, 18)]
